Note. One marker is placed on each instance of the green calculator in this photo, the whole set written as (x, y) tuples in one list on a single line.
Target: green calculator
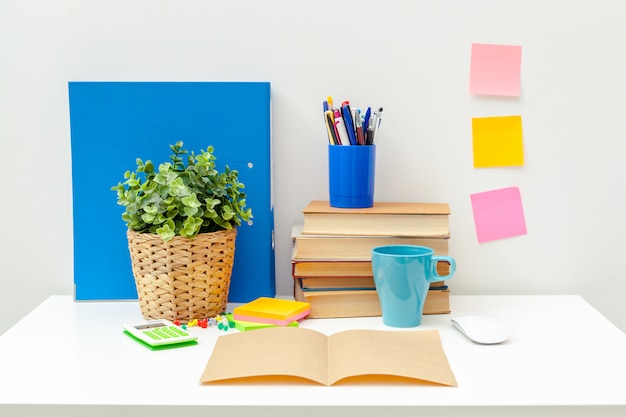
[(160, 334)]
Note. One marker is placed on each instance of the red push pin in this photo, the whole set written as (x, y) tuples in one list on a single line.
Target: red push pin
[(204, 323)]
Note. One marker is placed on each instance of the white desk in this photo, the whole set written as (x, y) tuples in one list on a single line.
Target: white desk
[(563, 358)]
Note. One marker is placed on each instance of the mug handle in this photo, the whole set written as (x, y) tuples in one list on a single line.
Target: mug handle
[(434, 276)]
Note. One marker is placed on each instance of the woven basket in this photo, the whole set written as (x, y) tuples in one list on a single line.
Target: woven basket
[(182, 279)]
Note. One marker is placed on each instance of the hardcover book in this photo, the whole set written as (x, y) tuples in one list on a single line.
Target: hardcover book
[(383, 219), (361, 303), (353, 248), (348, 283), (330, 268)]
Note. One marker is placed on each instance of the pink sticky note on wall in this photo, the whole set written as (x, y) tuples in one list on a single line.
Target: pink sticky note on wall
[(495, 69), (498, 214)]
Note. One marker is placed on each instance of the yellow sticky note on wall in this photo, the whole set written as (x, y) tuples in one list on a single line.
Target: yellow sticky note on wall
[(497, 141)]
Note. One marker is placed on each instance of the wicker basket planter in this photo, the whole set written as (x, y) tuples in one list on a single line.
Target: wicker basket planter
[(182, 279)]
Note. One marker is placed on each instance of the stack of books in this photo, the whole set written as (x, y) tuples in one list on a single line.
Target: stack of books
[(331, 257)]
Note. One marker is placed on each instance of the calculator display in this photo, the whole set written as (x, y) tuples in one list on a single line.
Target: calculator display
[(150, 325)]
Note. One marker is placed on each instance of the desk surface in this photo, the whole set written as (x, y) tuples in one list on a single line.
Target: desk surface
[(561, 352)]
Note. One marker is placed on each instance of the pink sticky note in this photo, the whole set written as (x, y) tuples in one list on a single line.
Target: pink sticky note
[(498, 214), (495, 69)]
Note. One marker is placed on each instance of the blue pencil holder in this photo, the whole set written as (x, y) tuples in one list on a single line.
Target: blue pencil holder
[(351, 171)]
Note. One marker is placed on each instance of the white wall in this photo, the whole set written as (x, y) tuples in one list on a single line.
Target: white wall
[(412, 57)]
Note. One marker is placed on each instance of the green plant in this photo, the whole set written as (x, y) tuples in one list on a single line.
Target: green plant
[(182, 198)]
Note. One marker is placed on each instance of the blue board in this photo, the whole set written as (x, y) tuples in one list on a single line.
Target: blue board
[(113, 123)]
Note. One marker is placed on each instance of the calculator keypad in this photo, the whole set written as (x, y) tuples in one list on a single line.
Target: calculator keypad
[(165, 333)]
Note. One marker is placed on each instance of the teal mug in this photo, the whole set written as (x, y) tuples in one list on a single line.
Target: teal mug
[(402, 275)]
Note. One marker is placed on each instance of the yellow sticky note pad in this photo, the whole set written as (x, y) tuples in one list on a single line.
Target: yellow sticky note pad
[(272, 311), (497, 141)]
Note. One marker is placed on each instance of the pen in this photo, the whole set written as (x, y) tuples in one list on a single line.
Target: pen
[(377, 120)]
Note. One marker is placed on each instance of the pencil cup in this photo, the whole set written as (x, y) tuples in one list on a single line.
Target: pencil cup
[(351, 175), (402, 275)]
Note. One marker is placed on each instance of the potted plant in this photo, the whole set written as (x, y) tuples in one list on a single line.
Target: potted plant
[(182, 219)]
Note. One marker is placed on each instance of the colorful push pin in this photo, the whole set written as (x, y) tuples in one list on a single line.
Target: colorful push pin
[(184, 326), (192, 323), (204, 323), (231, 324), (176, 322)]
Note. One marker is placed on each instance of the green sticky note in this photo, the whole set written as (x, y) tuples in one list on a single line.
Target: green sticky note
[(497, 141), (243, 326)]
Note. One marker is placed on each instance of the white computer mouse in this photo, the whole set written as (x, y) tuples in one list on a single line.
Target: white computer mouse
[(485, 330)]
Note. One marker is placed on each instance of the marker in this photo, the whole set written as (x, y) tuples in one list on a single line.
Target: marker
[(360, 136), (366, 123), (330, 126), (347, 120), (370, 129), (341, 129), (332, 129)]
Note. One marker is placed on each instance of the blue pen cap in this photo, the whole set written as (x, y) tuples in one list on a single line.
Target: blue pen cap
[(351, 172)]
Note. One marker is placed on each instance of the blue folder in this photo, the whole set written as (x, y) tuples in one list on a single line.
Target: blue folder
[(113, 123)]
